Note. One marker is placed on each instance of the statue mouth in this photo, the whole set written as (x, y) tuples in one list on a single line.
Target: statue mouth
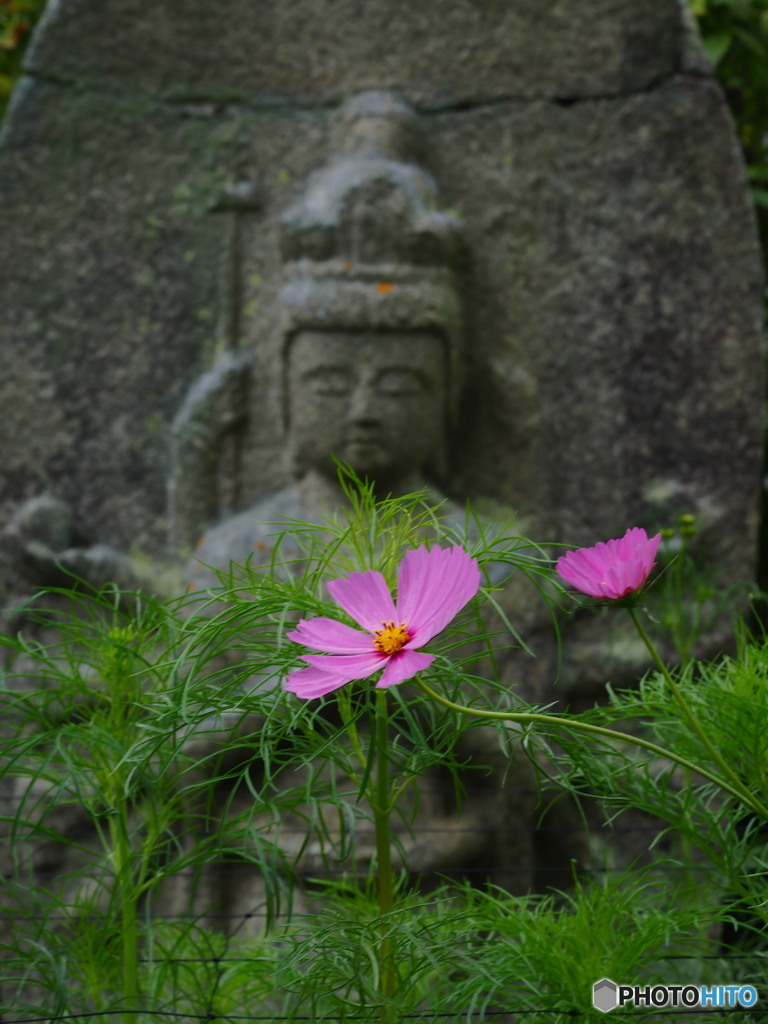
[(366, 442), (357, 450)]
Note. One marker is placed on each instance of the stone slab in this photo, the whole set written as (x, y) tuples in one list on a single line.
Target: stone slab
[(614, 298), (442, 53)]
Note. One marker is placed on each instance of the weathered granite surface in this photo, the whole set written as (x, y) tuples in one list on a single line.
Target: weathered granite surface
[(610, 283), (441, 53), (613, 297)]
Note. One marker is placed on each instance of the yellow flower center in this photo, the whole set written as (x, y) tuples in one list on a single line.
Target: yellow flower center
[(392, 638)]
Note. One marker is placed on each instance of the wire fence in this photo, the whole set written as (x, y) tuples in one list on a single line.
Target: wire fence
[(458, 1016), (231, 925)]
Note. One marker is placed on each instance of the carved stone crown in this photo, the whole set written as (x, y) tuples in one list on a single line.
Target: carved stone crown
[(366, 246), (372, 206)]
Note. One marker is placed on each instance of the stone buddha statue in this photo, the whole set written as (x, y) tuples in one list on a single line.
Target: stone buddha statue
[(370, 343), (371, 368)]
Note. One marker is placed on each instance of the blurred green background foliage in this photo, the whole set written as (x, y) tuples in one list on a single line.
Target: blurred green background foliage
[(735, 34), (17, 19)]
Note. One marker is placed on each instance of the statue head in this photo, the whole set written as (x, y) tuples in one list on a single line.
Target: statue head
[(370, 305), (374, 400)]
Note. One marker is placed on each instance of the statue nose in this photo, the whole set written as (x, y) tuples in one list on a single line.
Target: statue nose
[(363, 405)]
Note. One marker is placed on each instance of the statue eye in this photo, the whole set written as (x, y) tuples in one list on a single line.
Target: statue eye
[(401, 383), (330, 383)]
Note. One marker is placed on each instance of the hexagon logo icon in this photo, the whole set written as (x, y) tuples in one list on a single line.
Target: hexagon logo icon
[(604, 995)]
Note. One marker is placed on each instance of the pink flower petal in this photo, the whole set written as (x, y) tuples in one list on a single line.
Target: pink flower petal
[(348, 666), (402, 666), (650, 551), (433, 586), (365, 597), (611, 569), (595, 560), (623, 578), (330, 636), (311, 682), (626, 547), (582, 575)]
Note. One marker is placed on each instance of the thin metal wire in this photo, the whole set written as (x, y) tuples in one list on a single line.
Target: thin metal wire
[(219, 1018)]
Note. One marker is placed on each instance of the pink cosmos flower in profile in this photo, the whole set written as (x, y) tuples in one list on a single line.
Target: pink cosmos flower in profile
[(433, 585), (611, 569)]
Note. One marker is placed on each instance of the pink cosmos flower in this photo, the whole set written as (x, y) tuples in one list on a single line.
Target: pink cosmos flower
[(432, 586), (612, 569)]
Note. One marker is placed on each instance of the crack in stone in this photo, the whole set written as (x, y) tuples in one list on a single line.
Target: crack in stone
[(195, 99)]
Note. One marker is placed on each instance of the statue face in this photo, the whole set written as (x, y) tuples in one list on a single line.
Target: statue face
[(374, 400)]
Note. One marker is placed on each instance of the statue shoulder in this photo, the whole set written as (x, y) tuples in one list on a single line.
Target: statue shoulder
[(248, 536)]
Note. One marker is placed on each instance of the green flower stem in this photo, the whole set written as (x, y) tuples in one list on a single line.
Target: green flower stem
[(737, 786), (560, 722), (382, 808), (121, 860)]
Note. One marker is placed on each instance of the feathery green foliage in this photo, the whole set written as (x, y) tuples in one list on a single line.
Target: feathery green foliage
[(148, 744)]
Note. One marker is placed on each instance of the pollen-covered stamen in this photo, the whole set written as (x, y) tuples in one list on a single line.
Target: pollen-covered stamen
[(391, 638)]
